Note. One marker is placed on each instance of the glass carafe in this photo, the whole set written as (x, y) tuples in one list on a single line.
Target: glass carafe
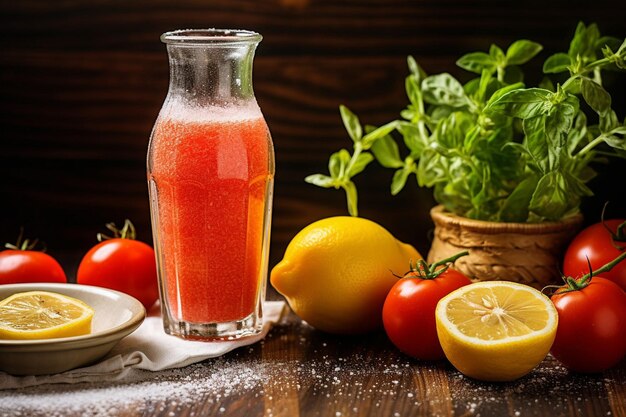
[(210, 176)]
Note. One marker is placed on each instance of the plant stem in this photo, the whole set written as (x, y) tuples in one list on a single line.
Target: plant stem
[(358, 148), (500, 72), (605, 268), (594, 66), (451, 260), (569, 81), (591, 145)]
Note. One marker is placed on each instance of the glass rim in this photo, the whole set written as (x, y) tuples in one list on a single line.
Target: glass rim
[(210, 37)]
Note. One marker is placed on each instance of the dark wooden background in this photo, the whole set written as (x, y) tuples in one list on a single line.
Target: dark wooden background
[(81, 82)]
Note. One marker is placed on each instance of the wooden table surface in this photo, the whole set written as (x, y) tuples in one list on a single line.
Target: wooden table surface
[(299, 371)]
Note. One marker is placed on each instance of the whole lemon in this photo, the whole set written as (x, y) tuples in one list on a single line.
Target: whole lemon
[(336, 273)]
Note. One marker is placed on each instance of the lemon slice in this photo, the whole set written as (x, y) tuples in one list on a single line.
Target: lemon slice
[(43, 315), (496, 330)]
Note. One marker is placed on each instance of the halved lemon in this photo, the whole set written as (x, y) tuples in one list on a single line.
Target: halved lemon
[(43, 315), (496, 330)]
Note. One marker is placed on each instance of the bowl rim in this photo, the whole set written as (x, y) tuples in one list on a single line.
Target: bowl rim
[(103, 336)]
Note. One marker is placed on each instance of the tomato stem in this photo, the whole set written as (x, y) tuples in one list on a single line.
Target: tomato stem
[(449, 260), (25, 244), (605, 268), (126, 232), (619, 235), (576, 284), (432, 271)]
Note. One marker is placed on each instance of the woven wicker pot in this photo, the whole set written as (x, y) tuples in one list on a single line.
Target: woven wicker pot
[(529, 253)]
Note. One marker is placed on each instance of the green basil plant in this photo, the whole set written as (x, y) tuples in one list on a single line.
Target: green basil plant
[(494, 149)]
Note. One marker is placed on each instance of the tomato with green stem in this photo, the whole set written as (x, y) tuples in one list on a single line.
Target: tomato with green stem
[(409, 309), (121, 263), (21, 263), (591, 336), (598, 244)]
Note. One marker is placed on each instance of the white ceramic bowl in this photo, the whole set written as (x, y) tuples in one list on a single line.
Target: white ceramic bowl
[(116, 316)]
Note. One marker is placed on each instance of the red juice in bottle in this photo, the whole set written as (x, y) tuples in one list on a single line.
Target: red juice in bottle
[(211, 183)]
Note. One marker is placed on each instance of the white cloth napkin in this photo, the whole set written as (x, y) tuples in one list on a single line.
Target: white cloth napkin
[(148, 348)]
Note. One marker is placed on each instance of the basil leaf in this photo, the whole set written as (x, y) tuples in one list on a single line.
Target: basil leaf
[(553, 197), (502, 91), (578, 186), (450, 132), (610, 41), (523, 104), (579, 44), (360, 163), (444, 89), (477, 62), (472, 136), (337, 163), (431, 168), (320, 180), (483, 84), (583, 45), (559, 120), (608, 121), (518, 148), (615, 141), (371, 137), (595, 95), (471, 86), (497, 54), (408, 113), (559, 62), (351, 122), (438, 113), (577, 135), (386, 152), (416, 71), (481, 199), (413, 138), (352, 197), (522, 51), (399, 180), (413, 91), (516, 205), (535, 142)]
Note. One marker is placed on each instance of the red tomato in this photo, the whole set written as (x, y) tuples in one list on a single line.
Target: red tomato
[(591, 336), (596, 243), (409, 310), (19, 266), (122, 264)]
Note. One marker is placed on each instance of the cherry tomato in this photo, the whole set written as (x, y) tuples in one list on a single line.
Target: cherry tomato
[(20, 263), (409, 309), (591, 336), (122, 264), (596, 243)]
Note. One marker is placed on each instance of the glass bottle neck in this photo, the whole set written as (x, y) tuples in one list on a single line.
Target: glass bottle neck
[(217, 75)]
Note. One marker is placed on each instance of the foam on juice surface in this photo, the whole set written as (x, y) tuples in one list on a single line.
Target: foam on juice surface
[(178, 111)]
